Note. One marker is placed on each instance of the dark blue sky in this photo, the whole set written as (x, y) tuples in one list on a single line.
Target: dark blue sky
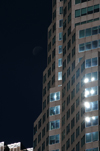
[(23, 26)]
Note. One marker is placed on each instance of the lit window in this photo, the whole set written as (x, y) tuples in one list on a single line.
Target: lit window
[(59, 75), (88, 137), (60, 49), (60, 62), (54, 110), (60, 36), (91, 91), (91, 121), (91, 106), (54, 96), (54, 124)]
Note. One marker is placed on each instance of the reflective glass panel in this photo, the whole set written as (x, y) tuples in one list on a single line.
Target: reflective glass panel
[(52, 139), (83, 11), (88, 108), (81, 33), (94, 76), (77, 13), (94, 62), (99, 43), (59, 75), (96, 8), (88, 46), (60, 62), (57, 123), (81, 47), (99, 29), (94, 105), (88, 76), (77, 1), (90, 10), (52, 111), (88, 32), (88, 63), (53, 125), (57, 95), (95, 44), (57, 109), (57, 138), (88, 123), (88, 137), (95, 120), (95, 136), (95, 30), (60, 49), (95, 149)]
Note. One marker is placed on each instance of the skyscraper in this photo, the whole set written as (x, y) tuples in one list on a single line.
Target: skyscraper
[(71, 89)]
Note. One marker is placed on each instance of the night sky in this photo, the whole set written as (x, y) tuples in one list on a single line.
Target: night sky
[(23, 26)]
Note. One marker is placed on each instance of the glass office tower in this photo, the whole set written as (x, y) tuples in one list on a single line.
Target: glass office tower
[(71, 87)]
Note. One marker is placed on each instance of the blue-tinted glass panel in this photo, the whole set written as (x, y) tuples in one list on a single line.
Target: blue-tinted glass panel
[(57, 138), (88, 46), (95, 149), (60, 49), (83, 11), (81, 33), (94, 105), (95, 120), (52, 140), (88, 123), (99, 43), (88, 32), (81, 47), (95, 136), (88, 137), (94, 76), (94, 62), (57, 124), (90, 10), (95, 44), (95, 30), (52, 111), (57, 109), (77, 13), (88, 63)]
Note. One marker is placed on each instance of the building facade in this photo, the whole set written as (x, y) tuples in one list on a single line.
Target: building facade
[(71, 87)]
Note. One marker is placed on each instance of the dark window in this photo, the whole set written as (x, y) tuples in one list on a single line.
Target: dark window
[(77, 132), (67, 129), (72, 108), (77, 117), (68, 114), (73, 51), (72, 123)]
